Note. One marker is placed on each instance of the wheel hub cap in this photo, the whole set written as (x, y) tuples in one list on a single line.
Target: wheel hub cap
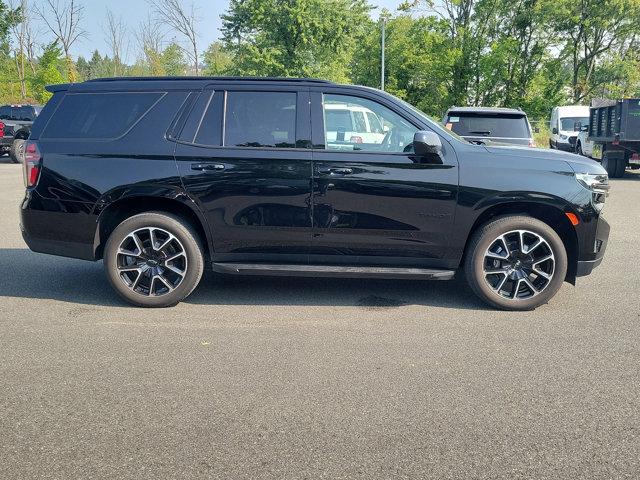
[(151, 261), (519, 265)]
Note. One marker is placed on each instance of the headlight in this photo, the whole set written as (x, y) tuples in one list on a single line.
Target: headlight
[(598, 184), (563, 137)]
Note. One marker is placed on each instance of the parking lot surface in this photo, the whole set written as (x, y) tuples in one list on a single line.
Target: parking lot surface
[(315, 378)]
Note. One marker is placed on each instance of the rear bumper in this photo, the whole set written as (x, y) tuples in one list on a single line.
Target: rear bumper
[(58, 227)]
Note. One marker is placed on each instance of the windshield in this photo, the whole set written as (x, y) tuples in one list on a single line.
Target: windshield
[(482, 125), (569, 123)]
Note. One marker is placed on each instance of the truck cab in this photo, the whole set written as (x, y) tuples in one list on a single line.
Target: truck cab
[(564, 126)]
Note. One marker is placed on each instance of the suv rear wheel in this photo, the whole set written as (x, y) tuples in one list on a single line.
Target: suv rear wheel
[(515, 263), (154, 259)]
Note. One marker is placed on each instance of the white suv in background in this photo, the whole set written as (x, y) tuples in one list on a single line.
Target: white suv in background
[(583, 145), (563, 126)]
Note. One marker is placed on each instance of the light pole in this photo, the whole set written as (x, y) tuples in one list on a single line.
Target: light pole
[(384, 21)]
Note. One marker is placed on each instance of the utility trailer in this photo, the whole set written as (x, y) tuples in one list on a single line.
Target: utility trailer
[(614, 129)]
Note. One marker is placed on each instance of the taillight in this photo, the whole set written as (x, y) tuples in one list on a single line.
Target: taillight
[(355, 139), (32, 164), (1, 129)]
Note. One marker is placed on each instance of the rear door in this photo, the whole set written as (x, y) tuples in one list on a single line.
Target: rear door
[(244, 157), (374, 202)]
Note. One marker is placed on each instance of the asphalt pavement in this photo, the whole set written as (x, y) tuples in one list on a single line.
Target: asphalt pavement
[(275, 378)]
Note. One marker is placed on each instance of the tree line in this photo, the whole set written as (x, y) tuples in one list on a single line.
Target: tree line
[(531, 54)]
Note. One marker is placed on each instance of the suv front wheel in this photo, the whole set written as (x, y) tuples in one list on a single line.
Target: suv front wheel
[(154, 259), (515, 263)]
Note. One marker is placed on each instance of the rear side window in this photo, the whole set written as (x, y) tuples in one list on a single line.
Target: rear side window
[(260, 119), (506, 126), (100, 116)]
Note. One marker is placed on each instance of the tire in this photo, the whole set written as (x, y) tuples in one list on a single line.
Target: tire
[(621, 166), (486, 258), (149, 277), (17, 150), (610, 164)]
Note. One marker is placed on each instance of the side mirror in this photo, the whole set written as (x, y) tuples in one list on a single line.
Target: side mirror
[(426, 143), (555, 130)]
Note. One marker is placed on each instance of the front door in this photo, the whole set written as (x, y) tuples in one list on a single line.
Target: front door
[(242, 156), (374, 202)]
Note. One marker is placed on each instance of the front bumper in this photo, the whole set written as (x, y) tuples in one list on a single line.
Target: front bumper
[(594, 258)]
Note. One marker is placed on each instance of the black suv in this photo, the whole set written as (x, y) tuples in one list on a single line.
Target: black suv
[(15, 125), (160, 177)]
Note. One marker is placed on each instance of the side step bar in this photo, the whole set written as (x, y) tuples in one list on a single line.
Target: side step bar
[(332, 271)]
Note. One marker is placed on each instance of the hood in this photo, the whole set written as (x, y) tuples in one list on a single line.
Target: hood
[(578, 163)]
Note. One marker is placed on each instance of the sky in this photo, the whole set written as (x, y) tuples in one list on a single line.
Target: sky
[(135, 11)]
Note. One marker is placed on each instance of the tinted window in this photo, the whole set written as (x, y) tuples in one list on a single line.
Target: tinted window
[(478, 125), (5, 113), (210, 131), (388, 131), (99, 115), (260, 119)]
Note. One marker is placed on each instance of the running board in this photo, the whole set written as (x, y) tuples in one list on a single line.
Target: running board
[(332, 271)]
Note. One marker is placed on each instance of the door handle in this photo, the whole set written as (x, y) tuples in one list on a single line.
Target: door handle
[(209, 167), (335, 170)]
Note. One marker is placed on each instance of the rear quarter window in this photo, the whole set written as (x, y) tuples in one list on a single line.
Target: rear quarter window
[(99, 116)]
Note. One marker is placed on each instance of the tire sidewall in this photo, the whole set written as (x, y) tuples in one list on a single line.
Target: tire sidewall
[(175, 226), (15, 153), (486, 235)]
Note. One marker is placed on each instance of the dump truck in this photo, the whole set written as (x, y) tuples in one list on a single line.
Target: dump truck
[(614, 129)]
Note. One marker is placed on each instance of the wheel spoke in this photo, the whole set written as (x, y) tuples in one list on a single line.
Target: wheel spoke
[(165, 281), (528, 283), (175, 270), (174, 256), (129, 268), (543, 259), (532, 247), (537, 271)]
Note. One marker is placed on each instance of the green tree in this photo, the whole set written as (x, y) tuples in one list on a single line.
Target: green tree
[(217, 61), (48, 72), (173, 60), (306, 38)]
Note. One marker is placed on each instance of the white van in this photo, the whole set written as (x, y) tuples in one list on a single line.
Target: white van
[(564, 126)]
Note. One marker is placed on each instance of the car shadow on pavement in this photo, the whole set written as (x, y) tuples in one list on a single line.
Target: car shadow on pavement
[(350, 292), (33, 275)]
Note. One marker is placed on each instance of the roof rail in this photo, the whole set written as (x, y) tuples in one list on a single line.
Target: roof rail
[(247, 79)]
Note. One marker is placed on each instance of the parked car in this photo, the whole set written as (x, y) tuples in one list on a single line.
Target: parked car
[(348, 126), (614, 129), (584, 146), (482, 124), (160, 177), (15, 125), (564, 126)]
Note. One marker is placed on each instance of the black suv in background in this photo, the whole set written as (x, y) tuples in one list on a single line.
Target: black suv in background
[(482, 124), (160, 177), (15, 125)]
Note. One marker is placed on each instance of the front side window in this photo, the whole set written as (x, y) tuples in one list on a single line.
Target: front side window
[(346, 128), (260, 119)]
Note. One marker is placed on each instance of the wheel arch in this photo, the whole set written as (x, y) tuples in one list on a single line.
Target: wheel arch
[(111, 215), (551, 215)]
